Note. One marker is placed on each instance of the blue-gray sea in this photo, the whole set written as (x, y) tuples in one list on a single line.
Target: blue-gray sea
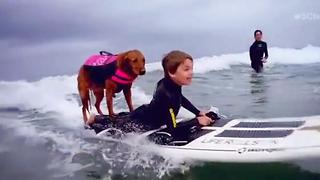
[(42, 134)]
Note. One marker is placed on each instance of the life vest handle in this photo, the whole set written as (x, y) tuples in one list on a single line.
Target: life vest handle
[(105, 53)]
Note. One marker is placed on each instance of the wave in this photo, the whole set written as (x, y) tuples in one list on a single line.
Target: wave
[(59, 93), (63, 134), (307, 55)]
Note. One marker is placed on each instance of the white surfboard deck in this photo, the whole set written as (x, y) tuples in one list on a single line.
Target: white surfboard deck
[(301, 142)]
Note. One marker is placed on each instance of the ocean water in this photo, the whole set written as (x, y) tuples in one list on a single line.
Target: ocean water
[(42, 135)]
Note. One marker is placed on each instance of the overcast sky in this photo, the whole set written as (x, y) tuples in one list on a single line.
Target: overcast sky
[(41, 38)]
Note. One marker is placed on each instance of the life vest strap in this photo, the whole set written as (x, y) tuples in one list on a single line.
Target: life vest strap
[(122, 77)]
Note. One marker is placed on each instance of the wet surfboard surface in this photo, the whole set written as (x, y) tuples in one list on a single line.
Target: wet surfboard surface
[(243, 140)]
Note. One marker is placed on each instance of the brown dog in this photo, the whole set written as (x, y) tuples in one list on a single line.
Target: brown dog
[(113, 76)]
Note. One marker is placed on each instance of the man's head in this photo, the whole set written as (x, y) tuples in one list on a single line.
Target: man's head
[(258, 35), (178, 66)]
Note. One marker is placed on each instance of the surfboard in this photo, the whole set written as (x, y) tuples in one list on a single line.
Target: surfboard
[(243, 140)]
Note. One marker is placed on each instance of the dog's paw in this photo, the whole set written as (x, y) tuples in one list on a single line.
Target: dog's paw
[(86, 126), (113, 115)]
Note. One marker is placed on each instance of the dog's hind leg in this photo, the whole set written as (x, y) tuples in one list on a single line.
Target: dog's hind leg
[(83, 88), (99, 96), (85, 104)]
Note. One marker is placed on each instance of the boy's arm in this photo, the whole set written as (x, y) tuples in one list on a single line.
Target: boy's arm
[(167, 110), (171, 121), (189, 106), (170, 117)]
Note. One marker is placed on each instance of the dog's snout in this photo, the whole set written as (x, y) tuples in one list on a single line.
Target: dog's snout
[(142, 72)]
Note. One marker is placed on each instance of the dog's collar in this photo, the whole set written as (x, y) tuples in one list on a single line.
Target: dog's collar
[(121, 77)]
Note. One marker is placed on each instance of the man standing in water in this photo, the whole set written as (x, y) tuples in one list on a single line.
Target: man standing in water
[(258, 52)]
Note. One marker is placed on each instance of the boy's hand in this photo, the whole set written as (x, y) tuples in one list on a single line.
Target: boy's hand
[(204, 120), (264, 60), (202, 113)]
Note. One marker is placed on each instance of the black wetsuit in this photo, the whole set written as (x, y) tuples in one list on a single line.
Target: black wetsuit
[(257, 50), (162, 110), (164, 106)]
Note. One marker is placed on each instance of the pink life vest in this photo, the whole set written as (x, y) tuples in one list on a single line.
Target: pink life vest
[(99, 60), (119, 77)]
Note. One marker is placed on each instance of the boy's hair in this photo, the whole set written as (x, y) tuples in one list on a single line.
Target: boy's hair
[(172, 60), (256, 31)]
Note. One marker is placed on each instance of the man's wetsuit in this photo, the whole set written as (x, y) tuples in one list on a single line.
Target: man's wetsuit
[(162, 110), (257, 50)]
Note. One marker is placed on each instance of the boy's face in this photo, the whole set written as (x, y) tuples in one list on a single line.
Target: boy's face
[(183, 75)]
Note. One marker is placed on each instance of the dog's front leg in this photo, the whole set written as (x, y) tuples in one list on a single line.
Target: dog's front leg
[(110, 90), (127, 95)]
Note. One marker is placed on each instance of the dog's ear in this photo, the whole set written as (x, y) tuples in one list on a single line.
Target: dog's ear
[(123, 60)]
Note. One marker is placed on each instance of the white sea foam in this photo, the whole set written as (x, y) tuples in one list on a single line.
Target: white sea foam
[(306, 55), (50, 94)]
